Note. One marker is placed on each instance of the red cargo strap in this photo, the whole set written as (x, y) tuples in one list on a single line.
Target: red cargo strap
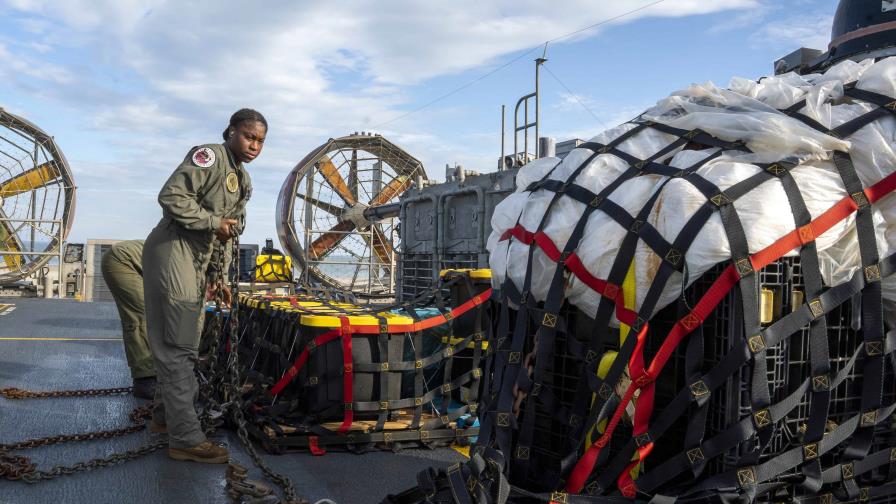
[(316, 450), (300, 361), (707, 303), (643, 410), (586, 463), (575, 265), (347, 376), (331, 335), (547, 245)]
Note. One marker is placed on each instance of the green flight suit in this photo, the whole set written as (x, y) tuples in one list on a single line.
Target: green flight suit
[(176, 257), (123, 273)]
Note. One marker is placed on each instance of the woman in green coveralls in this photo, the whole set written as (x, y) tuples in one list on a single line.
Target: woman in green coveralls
[(203, 202)]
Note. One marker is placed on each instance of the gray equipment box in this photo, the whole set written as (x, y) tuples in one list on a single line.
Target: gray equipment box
[(446, 226)]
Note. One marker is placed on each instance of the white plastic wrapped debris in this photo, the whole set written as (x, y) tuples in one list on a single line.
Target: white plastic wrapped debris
[(747, 111)]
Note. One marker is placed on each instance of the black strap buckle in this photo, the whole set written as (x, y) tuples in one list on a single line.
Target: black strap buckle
[(695, 456)]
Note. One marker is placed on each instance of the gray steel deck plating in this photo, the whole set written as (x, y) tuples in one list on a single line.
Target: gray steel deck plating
[(90, 355)]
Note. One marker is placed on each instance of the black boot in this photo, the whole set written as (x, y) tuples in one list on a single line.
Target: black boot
[(145, 388)]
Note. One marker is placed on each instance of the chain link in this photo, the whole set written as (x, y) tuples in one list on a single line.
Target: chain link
[(16, 393), (20, 467), (236, 405), (228, 383), (207, 396), (138, 416), (115, 458)]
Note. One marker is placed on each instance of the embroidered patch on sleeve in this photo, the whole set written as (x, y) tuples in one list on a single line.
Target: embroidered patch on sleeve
[(204, 157)]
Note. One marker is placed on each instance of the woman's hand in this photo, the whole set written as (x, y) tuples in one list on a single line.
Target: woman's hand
[(224, 229)]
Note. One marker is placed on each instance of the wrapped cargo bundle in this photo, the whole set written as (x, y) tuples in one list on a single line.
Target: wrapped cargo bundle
[(748, 113), (697, 306), (331, 373)]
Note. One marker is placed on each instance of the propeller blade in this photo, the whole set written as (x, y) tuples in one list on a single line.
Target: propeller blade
[(9, 241), (397, 186), (326, 207), (326, 241), (331, 173), (32, 179), (382, 247)]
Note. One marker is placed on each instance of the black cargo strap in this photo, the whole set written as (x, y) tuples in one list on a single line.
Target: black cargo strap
[(534, 326), (819, 355), (275, 336), (872, 314), (544, 336), (819, 350), (723, 201), (737, 357), (602, 389), (730, 437), (751, 476), (503, 410)]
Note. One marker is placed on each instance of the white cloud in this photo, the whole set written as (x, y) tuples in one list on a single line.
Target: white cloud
[(812, 31), (15, 66), (745, 18), (139, 117), (154, 78), (570, 101)]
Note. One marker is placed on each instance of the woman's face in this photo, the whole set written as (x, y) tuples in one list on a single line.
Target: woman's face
[(247, 140)]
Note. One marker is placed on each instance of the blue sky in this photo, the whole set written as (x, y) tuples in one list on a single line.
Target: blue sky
[(127, 87)]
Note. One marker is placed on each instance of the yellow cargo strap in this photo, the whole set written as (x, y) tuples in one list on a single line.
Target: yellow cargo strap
[(628, 296)]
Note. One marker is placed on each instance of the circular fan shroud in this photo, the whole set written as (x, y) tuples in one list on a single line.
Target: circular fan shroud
[(37, 198), (320, 212)]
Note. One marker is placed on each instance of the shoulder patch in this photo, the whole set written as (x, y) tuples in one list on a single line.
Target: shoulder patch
[(203, 157)]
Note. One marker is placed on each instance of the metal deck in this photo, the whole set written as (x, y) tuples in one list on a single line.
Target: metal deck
[(57, 344)]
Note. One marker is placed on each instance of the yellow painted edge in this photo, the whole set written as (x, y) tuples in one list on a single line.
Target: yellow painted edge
[(370, 320)]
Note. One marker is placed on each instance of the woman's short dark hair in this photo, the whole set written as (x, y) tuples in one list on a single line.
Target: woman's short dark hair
[(243, 115)]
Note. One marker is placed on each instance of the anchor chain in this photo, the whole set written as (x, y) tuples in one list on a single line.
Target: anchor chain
[(138, 416), (211, 378), (20, 467), (17, 393), (233, 375)]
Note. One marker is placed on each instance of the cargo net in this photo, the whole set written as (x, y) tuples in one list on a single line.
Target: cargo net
[(325, 373), (697, 306)]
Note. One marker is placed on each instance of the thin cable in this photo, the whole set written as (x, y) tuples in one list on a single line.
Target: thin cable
[(605, 21), (455, 91), (575, 97), (514, 60)]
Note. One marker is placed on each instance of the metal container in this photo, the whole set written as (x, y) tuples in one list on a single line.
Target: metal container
[(446, 226)]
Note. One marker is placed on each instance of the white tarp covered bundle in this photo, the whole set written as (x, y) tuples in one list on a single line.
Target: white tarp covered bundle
[(747, 111)]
